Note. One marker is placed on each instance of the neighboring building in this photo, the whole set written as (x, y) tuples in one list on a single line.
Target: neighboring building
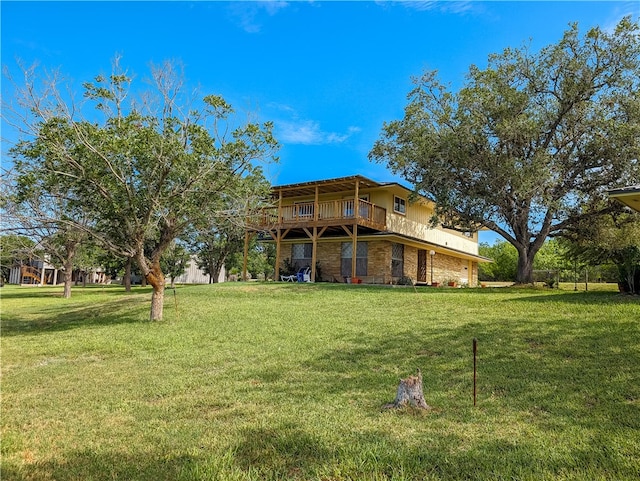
[(38, 272), (194, 275), (326, 222), (629, 196)]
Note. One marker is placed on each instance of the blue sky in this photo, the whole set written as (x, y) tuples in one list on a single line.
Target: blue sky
[(328, 74)]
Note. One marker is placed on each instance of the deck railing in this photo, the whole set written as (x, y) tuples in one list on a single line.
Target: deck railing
[(335, 211)]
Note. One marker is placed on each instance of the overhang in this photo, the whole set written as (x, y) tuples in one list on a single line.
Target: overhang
[(629, 196), (331, 186)]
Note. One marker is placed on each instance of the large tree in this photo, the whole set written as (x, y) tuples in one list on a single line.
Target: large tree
[(145, 164), (528, 141)]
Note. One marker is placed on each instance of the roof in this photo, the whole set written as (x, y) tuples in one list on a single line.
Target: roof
[(328, 186), (629, 196)]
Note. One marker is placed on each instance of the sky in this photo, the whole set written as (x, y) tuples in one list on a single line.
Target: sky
[(328, 74)]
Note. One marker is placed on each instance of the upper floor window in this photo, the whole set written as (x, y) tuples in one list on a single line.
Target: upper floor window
[(399, 205)]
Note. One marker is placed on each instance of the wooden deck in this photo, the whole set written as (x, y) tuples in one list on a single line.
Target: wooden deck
[(324, 214)]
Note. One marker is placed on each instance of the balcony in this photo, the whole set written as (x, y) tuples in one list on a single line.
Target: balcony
[(333, 213)]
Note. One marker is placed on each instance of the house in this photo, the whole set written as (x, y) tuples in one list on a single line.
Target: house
[(629, 196), (40, 272), (357, 230)]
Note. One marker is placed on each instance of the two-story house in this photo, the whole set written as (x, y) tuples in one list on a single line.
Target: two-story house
[(358, 230)]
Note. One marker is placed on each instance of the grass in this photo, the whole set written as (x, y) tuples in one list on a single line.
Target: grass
[(287, 381)]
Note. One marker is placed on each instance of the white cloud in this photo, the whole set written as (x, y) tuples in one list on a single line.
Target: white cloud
[(622, 10), (453, 6), (248, 14), (309, 132)]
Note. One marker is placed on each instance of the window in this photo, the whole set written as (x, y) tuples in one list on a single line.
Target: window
[(304, 209), (301, 255), (361, 258), (348, 208), (399, 205), (397, 260)]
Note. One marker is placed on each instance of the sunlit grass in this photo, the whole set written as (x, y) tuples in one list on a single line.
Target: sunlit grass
[(286, 381)]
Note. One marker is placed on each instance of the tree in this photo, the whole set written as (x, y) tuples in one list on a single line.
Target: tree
[(144, 166), (528, 142), (505, 262), (612, 237), (13, 249), (260, 258), (214, 248), (175, 261), (37, 206), (222, 234)]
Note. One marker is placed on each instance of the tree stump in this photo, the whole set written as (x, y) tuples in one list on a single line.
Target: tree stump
[(410, 393)]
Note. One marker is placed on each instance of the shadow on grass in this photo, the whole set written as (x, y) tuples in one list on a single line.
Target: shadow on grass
[(566, 376), (580, 297), (89, 465), (46, 292), (283, 452), (287, 452), (62, 318)]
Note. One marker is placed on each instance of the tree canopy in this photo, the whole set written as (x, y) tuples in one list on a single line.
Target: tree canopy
[(530, 142), (144, 166)]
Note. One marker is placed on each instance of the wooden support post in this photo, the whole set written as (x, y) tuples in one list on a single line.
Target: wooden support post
[(245, 255), (314, 238), (277, 266), (278, 237), (314, 252), (354, 253)]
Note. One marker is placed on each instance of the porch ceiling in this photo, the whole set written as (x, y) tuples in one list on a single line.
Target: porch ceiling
[(308, 189)]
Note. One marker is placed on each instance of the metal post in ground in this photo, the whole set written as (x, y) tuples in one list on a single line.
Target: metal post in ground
[(475, 355)]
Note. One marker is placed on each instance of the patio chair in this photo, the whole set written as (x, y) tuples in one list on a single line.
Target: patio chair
[(304, 274), (291, 278)]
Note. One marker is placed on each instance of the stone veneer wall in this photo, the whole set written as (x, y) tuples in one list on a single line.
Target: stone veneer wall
[(379, 263)]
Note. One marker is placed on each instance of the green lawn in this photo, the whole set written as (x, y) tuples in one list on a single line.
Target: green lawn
[(287, 381)]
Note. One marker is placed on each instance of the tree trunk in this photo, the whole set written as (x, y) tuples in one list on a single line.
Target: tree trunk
[(410, 393), (216, 273), (68, 278), (127, 275), (67, 264), (155, 278), (524, 274)]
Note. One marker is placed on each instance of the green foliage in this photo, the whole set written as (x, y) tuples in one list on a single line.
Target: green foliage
[(14, 249), (260, 260), (504, 265), (147, 168), (404, 281), (175, 261), (288, 268), (528, 140), (612, 237)]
